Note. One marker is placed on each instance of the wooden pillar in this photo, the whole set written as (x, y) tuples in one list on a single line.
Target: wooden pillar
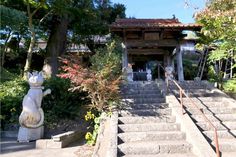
[(172, 59), (179, 65), (165, 61), (124, 57), (173, 62), (169, 60)]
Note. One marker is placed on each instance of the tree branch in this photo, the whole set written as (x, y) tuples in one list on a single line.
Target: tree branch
[(28, 8), (41, 20), (39, 6)]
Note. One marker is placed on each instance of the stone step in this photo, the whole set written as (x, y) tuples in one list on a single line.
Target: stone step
[(145, 106), (187, 86), (127, 96), (142, 100), (148, 127), (191, 93), (163, 155), (151, 136), (145, 119), (154, 147), (198, 90), (210, 104), (136, 91), (228, 154), (139, 84), (212, 110), (226, 134), (223, 110), (203, 99), (219, 126), (216, 117), (226, 145), (140, 87), (206, 94), (145, 112)]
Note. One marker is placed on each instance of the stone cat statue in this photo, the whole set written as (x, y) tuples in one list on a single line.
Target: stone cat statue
[(32, 115)]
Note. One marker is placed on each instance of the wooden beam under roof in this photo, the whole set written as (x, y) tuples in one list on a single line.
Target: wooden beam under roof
[(151, 44), (147, 51)]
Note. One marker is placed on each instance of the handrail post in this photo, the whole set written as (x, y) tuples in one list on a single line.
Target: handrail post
[(181, 100), (217, 143)]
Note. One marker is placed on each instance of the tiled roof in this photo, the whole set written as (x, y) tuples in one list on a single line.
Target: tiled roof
[(152, 23)]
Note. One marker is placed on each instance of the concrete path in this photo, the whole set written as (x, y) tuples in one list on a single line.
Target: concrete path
[(10, 148)]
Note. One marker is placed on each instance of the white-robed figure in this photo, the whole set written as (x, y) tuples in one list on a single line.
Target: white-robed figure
[(169, 73), (149, 74), (32, 117), (129, 71)]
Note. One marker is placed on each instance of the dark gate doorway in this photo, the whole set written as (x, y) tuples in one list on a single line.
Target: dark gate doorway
[(141, 63)]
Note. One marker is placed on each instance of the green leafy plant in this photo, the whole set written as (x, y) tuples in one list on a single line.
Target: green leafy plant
[(11, 96), (95, 122)]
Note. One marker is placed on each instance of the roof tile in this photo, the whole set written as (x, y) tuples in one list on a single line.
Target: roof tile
[(154, 23)]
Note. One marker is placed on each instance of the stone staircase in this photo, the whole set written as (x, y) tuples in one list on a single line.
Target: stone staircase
[(146, 126), (218, 108)]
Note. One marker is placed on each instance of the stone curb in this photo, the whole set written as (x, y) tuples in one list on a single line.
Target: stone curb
[(112, 151), (108, 124), (100, 135)]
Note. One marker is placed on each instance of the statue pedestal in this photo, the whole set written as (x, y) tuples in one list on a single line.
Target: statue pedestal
[(27, 134)]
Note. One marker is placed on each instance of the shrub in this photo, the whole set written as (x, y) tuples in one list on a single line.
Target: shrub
[(11, 96), (230, 85), (62, 103), (101, 80), (215, 77), (190, 69), (6, 75)]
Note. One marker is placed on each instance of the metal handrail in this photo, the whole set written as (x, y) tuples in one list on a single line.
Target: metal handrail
[(181, 93)]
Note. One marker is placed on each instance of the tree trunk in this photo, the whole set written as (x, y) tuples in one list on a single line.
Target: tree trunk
[(56, 44), (231, 63), (30, 50)]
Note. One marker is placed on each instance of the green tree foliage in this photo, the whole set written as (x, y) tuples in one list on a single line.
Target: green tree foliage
[(83, 19), (12, 18), (219, 27), (56, 20), (31, 8), (219, 33), (218, 20), (12, 24)]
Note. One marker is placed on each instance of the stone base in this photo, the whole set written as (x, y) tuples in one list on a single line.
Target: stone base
[(60, 140), (27, 134)]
